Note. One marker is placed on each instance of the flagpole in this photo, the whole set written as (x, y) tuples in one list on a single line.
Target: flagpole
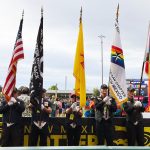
[(79, 66), (42, 11), (141, 80), (81, 15), (40, 102), (144, 60), (101, 37), (148, 107), (117, 13), (117, 78), (23, 14), (116, 25)]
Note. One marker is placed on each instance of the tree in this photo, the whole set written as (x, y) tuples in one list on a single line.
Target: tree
[(96, 92), (53, 87)]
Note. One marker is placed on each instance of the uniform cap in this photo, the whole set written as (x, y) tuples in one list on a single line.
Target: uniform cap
[(131, 89), (73, 95), (104, 86), (43, 90)]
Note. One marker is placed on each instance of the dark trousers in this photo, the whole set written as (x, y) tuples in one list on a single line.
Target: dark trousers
[(73, 135), (37, 132), (11, 135), (135, 133), (22, 135), (104, 130)]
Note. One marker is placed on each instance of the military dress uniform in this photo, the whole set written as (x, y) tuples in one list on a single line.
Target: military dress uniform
[(134, 122), (73, 124), (12, 112), (103, 116), (39, 124)]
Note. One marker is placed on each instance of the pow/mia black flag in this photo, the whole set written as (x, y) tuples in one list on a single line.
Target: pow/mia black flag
[(36, 84)]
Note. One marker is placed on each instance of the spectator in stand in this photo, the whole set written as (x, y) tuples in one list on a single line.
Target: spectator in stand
[(87, 108), (68, 103), (64, 103), (145, 101), (59, 106), (92, 106), (53, 106)]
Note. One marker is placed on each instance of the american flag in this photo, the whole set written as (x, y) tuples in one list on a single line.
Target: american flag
[(17, 54)]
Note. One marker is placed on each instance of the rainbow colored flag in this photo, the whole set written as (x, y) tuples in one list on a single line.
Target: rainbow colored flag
[(117, 79)]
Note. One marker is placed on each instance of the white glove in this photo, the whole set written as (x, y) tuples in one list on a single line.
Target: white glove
[(138, 104), (108, 102), (77, 108), (13, 100), (106, 99), (73, 106), (10, 103), (42, 106)]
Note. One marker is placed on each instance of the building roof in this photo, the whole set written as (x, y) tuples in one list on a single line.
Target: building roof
[(65, 91)]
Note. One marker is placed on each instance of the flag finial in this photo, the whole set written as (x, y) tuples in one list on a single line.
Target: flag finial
[(117, 13), (42, 11), (81, 15), (22, 13)]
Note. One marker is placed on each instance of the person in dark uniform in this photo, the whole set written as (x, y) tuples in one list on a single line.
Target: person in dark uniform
[(134, 118), (73, 122), (104, 108), (12, 112), (40, 119)]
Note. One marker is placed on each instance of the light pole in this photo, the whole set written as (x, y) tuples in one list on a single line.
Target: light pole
[(101, 37), (65, 83)]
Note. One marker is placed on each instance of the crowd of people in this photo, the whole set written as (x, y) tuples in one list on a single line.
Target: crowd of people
[(60, 104), (103, 108)]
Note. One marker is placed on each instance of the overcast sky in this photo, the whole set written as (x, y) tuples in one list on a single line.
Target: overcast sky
[(61, 26)]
